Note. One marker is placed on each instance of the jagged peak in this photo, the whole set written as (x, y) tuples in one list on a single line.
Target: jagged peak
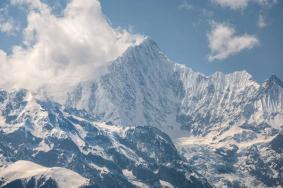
[(273, 80), (148, 46), (239, 74), (242, 74), (217, 74), (148, 42), (144, 54)]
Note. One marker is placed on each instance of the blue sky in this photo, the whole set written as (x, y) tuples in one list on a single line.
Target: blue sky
[(181, 32), (234, 36)]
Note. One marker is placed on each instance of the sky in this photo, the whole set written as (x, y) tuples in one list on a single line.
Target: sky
[(44, 41), (181, 29)]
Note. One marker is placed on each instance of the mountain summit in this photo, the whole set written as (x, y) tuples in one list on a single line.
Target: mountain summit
[(274, 80), (144, 87)]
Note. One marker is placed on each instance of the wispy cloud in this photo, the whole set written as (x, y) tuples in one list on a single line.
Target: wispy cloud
[(233, 4), (8, 26), (185, 5), (262, 23), (242, 4), (223, 42)]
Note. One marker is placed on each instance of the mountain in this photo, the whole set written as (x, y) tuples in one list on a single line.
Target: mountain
[(144, 87), (116, 129), (108, 155), (223, 124), (28, 174), (136, 90)]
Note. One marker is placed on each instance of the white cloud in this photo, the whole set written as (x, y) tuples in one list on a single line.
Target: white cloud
[(185, 6), (7, 24), (7, 27), (242, 4), (223, 42), (70, 48), (32, 5), (268, 3), (261, 21), (233, 4)]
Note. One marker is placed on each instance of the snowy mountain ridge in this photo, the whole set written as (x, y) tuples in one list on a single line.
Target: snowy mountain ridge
[(144, 87), (108, 155), (227, 127), (202, 114)]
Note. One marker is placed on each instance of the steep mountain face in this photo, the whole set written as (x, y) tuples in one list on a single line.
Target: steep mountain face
[(48, 134), (23, 174), (139, 89), (143, 87), (217, 121)]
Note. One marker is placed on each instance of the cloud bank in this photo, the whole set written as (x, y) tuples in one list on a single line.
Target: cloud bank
[(69, 48), (223, 42)]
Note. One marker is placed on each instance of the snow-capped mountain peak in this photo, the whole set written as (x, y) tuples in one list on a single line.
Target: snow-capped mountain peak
[(144, 87), (273, 80)]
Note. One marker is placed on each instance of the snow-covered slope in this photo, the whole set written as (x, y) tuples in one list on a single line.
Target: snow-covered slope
[(144, 87), (29, 174), (48, 134), (137, 90)]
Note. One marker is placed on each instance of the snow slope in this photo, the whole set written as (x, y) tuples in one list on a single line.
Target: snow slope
[(27, 171)]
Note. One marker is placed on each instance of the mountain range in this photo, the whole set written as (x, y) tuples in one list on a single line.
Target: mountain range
[(149, 122)]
